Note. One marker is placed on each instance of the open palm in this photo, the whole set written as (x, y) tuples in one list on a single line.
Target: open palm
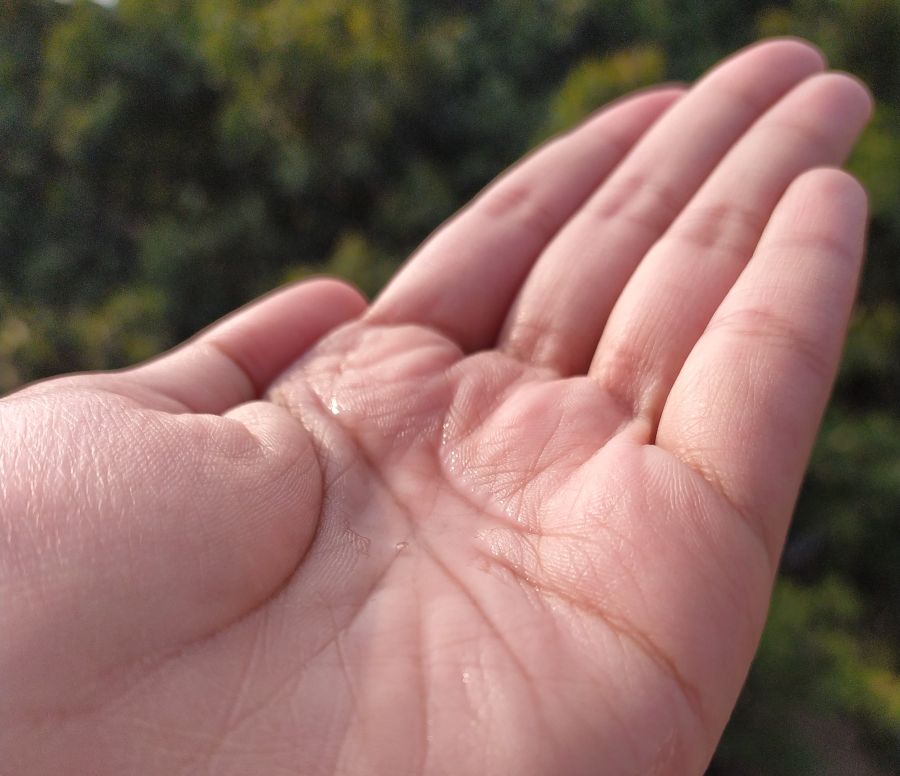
[(522, 515)]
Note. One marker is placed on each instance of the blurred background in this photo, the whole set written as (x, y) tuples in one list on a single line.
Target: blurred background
[(163, 161)]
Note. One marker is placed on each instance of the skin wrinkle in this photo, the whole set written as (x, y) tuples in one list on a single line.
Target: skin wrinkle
[(623, 204), (527, 339), (536, 595), (348, 681), (518, 204), (754, 526), (809, 135), (618, 626), (42, 468), (727, 570), (164, 663), (347, 627), (234, 719), (529, 585), (752, 323), (480, 506), (427, 715), (91, 449), (469, 596), (289, 690), (818, 244), (534, 467), (497, 398), (539, 537), (492, 626), (636, 422), (726, 230), (245, 374), (667, 758), (187, 746), (373, 325), (621, 362)]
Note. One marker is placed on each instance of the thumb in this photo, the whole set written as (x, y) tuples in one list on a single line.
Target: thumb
[(235, 360), (130, 532)]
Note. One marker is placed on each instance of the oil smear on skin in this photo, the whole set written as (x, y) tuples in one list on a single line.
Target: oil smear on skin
[(452, 457)]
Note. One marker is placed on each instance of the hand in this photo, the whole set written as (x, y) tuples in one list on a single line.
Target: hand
[(521, 516)]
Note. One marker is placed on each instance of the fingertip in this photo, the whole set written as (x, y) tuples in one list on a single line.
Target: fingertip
[(760, 66), (863, 85), (324, 301), (788, 49), (658, 93), (856, 101), (652, 101), (343, 294), (833, 188)]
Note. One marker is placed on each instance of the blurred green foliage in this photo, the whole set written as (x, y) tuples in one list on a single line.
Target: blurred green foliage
[(163, 161)]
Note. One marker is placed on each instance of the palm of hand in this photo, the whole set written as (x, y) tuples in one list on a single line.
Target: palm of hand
[(530, 552), (487, 561)]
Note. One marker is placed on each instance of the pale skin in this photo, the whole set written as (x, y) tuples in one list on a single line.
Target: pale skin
[(521, 515)]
